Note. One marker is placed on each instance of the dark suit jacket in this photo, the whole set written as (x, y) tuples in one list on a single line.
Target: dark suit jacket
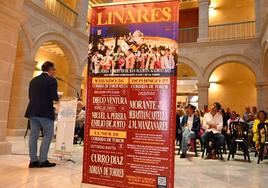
[(196, 123), (42, 93), (178, 127)]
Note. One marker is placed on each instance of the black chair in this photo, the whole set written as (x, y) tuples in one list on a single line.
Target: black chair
[(239, 135), (81, 134), (219, 152), (206, 150), (212, 146), (263, 142), (179, 137), (195, 147)]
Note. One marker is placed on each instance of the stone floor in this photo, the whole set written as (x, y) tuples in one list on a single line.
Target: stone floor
[(192, 172)]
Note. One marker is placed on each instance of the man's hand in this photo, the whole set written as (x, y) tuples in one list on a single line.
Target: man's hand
[(212, 126), (184, 126)]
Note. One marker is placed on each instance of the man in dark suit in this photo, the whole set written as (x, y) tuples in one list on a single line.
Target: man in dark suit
[(40, 111), (191, 126), (179, 115)]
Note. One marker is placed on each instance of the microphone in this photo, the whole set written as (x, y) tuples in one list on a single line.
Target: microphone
[(77, 93)]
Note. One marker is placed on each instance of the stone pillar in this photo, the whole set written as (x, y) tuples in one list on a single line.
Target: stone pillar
[(202, 94), (11, 16), (203, 21), (23, 73), (263, 11), (76, 82), (82, 9), (262, 95), (258, 16)]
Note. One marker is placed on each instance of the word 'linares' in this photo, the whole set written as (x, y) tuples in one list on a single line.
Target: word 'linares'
[(139, 16)]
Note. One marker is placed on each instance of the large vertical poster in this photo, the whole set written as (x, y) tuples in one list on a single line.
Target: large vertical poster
[(130, 126)]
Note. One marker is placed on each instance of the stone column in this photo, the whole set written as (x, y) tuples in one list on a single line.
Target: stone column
[(263, 11), (203, 21), (262, 95), (82, 9), (11, 16), (76, 82), (258, 16), (202, 94), (23, 73)]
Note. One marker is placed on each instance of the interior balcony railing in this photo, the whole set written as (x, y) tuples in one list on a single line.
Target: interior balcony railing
[(188, 35), (62, 11), (186, 1), (232, 31)]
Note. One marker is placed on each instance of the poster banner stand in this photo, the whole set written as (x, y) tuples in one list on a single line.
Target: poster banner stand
[(64, 128), (131, 95)]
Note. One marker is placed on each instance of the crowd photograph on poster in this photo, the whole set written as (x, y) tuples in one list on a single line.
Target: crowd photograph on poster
[(131, 51)]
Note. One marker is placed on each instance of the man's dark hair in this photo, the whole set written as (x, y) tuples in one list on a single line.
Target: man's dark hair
[(191, 106), (47, 65), (154, 48), (264, 113), (218, 105), (167, 49)]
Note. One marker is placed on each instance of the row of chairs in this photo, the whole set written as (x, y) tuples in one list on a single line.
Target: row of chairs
[(239, 133)]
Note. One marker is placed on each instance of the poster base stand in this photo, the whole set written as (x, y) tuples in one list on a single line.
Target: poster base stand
[(62, 157)]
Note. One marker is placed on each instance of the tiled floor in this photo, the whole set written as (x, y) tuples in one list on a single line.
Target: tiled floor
[(191, 172)]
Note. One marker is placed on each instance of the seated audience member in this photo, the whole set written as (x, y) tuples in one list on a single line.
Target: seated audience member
[(250, 131), (179, 115), (261, 118), (254, 112), (247, 114), (79, 121), (191, 125), (234, 118), (228, 113), (224, 127), (213, 123), (178, 127), (205, 110), (198, 114)]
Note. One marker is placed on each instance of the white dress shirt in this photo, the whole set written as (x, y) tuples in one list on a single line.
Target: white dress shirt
[(214, 120), (190, 121)]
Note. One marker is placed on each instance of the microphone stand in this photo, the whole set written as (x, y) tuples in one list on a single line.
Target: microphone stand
[(77, 93)]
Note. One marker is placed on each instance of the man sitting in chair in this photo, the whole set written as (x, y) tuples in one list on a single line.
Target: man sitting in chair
[(191, 126), (212, 124), (79, 121)]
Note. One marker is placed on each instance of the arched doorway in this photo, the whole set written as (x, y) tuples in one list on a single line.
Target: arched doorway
[(50, 51), (233, 85), (28, 64), (186, 85)]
